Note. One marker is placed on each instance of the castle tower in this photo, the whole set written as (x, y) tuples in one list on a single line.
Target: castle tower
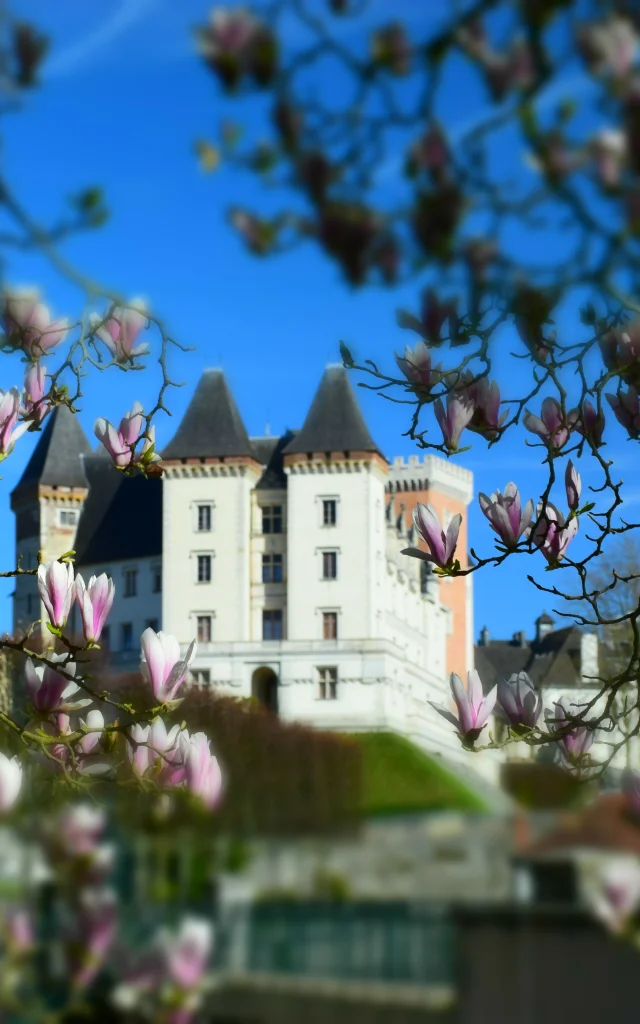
[(47, 502), (336, 537), (210, 471), (449, 489)]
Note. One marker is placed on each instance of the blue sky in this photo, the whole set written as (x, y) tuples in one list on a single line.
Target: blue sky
[(123, 100)]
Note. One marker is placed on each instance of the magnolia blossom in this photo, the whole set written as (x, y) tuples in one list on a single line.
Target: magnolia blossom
[(152, 748), (609, 47), (518, 703), (452, 421), (614, 894), (441, 545), (473, 707), (573, 486), (27, 323), (57, 591), (609, 151), (91, 935), (10, 781), (79, 828), (485, 398), (588, 422), (550, 426), (121, 442), (18, 928), (506, 515), (34, 408), (48, 690), (416, 365), (552, 533), (434, 313), (94, 602), (95, 723), (231, 32), (10, 430), (575, 743), (187, 952), (120, 329), (203, 775), (626, 410), (162, 666)]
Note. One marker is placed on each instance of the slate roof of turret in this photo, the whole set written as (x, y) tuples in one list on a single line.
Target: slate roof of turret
[(56, 460), (212, 426), (334, 422)]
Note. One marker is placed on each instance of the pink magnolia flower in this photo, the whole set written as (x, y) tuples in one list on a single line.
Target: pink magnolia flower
[(94, 602), (18, 928), (91, 935), (79, 828), (161, 663), (151, 748), (551, 426), (626, 410), (186, 953), (608, 47), (609, 153), (34, 407), (575, 744), (57, 591), (573, 486), (434, 313), (485, 398), (95, 723), (416, 366), (27, 323), (616, 896), (552, 533), (231, 32), (441, 545), (10, 781), (48, 690), (459, 413), (473, 707), (120, 329), (203, 775), (506, 515), (120, 443), (518, 703), (588, 422), (10, 430)]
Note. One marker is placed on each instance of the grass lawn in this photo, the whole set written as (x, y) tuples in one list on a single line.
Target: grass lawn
[(399, 778)]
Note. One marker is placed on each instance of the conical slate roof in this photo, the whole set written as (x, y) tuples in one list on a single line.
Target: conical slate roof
[(212, 426), (58, 456), (334, 422)]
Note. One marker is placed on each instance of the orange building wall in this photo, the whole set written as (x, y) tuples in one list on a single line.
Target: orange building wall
[(453, 592)]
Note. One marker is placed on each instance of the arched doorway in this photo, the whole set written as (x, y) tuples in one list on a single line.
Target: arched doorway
[(264, 687)]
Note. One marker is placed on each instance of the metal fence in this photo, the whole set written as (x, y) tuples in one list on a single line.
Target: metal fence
[(392, 942)]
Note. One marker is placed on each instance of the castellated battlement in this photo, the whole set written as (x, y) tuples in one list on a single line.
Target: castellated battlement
[(430, 473)]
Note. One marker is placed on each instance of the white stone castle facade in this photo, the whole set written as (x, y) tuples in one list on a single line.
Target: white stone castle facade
[(281, 555)]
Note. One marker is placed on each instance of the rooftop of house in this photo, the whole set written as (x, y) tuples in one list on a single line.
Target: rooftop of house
[(553, 657), (605, 825)]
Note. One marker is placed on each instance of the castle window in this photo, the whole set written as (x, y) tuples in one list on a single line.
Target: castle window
[(156, 579), (67, 517), (329, 625), (126, 636), (329, 512), (204, 629), (130, 582), (204, 568), (201, 676), (272, 624), (272, 568), (204, 518), (329, 565), (104, 638), (327, 683), (272, 519)]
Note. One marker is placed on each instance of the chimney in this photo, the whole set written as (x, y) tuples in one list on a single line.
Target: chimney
[(520, 638), (484, 637)]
